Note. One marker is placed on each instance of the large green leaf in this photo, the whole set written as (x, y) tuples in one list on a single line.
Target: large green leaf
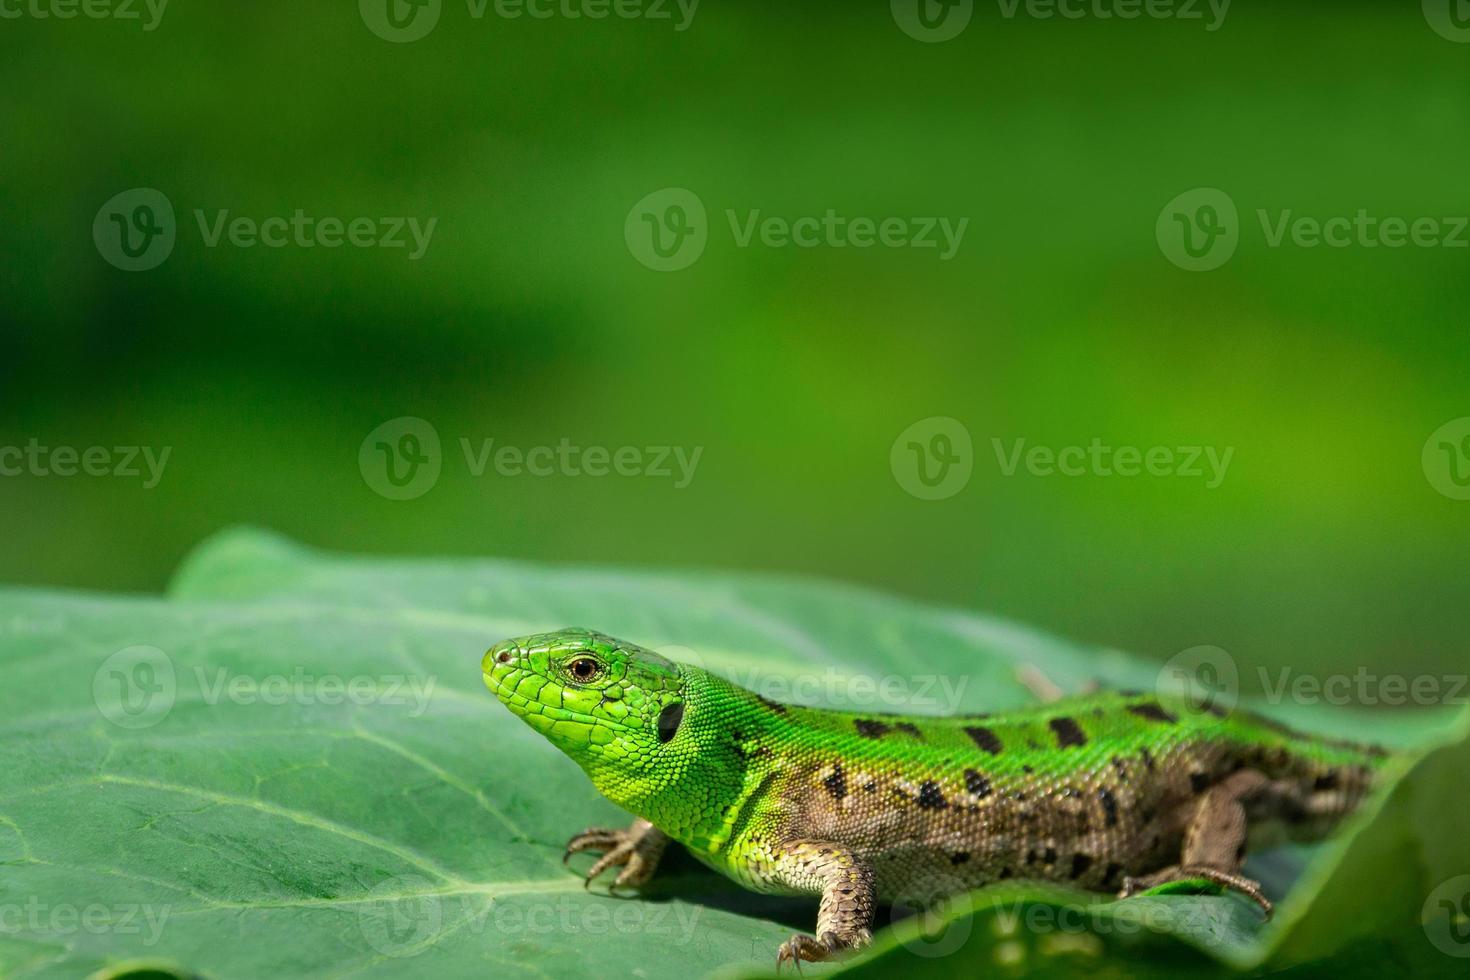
[(312, 778)]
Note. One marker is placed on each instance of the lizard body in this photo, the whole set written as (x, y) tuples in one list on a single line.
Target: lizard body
[(1111, 791)]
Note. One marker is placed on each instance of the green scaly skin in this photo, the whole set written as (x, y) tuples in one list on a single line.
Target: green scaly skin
[(1111, 792)]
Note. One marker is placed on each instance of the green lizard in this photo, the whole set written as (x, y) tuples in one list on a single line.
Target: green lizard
[(1109, 791)]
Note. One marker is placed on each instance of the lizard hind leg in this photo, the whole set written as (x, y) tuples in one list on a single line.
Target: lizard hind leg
[(845, 916), (1214, 841), (636, 850)]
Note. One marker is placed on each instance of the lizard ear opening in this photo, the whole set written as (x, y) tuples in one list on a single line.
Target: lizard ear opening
[(669, 719)]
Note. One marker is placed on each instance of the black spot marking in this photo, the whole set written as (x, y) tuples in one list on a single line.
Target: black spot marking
[(1109, 805), (1080, 864), (930, 798), (1121, 769), (1005, 873), (1328, 780), (1028, 770), (1148, 759), (976, 783), (959, 858), (1068, 732), (1152, 712), (985, 738), (1240, 853), (870, 729), (836, 783), (1031, 856), (1050, 856), (1198, 782), (908, 729), (775, 706), (870, 787), (1110, 876), (669, 719)]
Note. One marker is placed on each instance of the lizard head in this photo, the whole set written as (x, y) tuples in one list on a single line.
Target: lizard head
[(610, 705)]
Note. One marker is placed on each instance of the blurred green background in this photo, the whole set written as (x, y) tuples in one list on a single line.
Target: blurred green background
[(528, 320)]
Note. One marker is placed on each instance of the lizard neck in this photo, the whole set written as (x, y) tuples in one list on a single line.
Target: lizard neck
[(694, 785)]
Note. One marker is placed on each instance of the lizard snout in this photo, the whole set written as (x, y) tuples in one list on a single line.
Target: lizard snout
[(503, 654)]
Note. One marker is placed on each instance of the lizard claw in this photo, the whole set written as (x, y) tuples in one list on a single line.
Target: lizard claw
[(802, 947), (636, 850)]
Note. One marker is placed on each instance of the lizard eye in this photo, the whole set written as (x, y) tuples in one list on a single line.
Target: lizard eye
[(584, 669)]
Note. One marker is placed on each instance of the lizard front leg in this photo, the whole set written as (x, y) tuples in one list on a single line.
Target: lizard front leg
[(637, 850), (1214, 842), (845, 917)]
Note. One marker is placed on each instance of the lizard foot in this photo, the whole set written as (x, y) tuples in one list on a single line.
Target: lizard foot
[(802, 947), (1225, 879), (636, 850)]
